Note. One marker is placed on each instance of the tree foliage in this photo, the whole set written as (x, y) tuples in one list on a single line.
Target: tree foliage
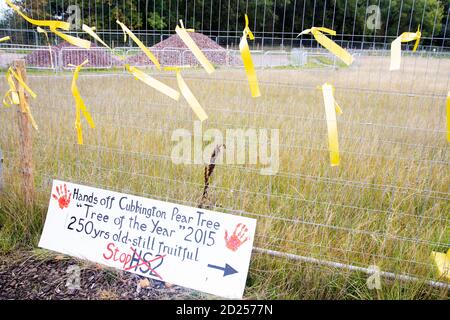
[(268, 16)]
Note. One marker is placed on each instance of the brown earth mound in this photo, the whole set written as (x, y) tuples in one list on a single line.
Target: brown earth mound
[(173, 51), (98, 57)]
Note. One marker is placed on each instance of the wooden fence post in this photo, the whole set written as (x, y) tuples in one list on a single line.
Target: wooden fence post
[(26, 150)]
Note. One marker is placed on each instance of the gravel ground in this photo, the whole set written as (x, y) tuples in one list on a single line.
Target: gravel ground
[(173, 51), (31, 275), (99, 57)]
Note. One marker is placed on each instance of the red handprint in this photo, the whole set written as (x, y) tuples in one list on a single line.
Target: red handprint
[(237, 238), (62, 196)]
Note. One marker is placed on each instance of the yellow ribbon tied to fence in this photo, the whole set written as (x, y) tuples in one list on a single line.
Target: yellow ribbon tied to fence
[(11, 96), (5, 38), (40, 30), (184, 36), (329, 44), (442, 261), (152, 82), (396, 47), (41, 23), (91, 31), (85, 44), (139, 43), (53, 25), (247, 60), (331, 107), (15, 96), (79, 104), (187, 93)]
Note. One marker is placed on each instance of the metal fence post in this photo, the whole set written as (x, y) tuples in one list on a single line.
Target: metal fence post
[(36, 38)]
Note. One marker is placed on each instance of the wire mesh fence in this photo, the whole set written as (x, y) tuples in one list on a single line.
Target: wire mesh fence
[(387, 203)]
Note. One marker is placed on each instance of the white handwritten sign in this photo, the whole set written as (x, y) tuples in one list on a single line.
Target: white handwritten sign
[(191, 247)]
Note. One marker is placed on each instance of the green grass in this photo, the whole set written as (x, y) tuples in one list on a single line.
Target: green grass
[(390, 190)]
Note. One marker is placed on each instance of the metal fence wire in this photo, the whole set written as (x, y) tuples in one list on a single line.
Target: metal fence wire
[(387, 203)]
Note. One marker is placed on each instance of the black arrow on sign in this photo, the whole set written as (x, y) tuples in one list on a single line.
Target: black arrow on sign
[(226, 271)]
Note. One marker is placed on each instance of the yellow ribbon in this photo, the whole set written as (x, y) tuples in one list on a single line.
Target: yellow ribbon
[(448, 116), (41, 23), (13, 96), (40, 30), (53, 25), (187, 94), (5, 38), (79, 104), (247, 60), (396, 47), (442, 262), (184, 36), (152, 82), (92, 33), (329, 44), (85, 44), (331, 107), (139, 43)]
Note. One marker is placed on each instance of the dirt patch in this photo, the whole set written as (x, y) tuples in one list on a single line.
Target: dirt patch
[(98, 57), (36, 276), (173, 51)]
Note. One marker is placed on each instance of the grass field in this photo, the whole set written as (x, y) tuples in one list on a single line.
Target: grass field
[(386, 204)]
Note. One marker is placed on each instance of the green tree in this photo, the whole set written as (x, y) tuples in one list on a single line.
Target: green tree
[(348, 17), (155, 21)]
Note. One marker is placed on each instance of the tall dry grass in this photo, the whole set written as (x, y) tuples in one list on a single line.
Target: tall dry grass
[(386, 204)]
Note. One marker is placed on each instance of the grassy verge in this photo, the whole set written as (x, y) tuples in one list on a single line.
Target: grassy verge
[(386, 204)]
